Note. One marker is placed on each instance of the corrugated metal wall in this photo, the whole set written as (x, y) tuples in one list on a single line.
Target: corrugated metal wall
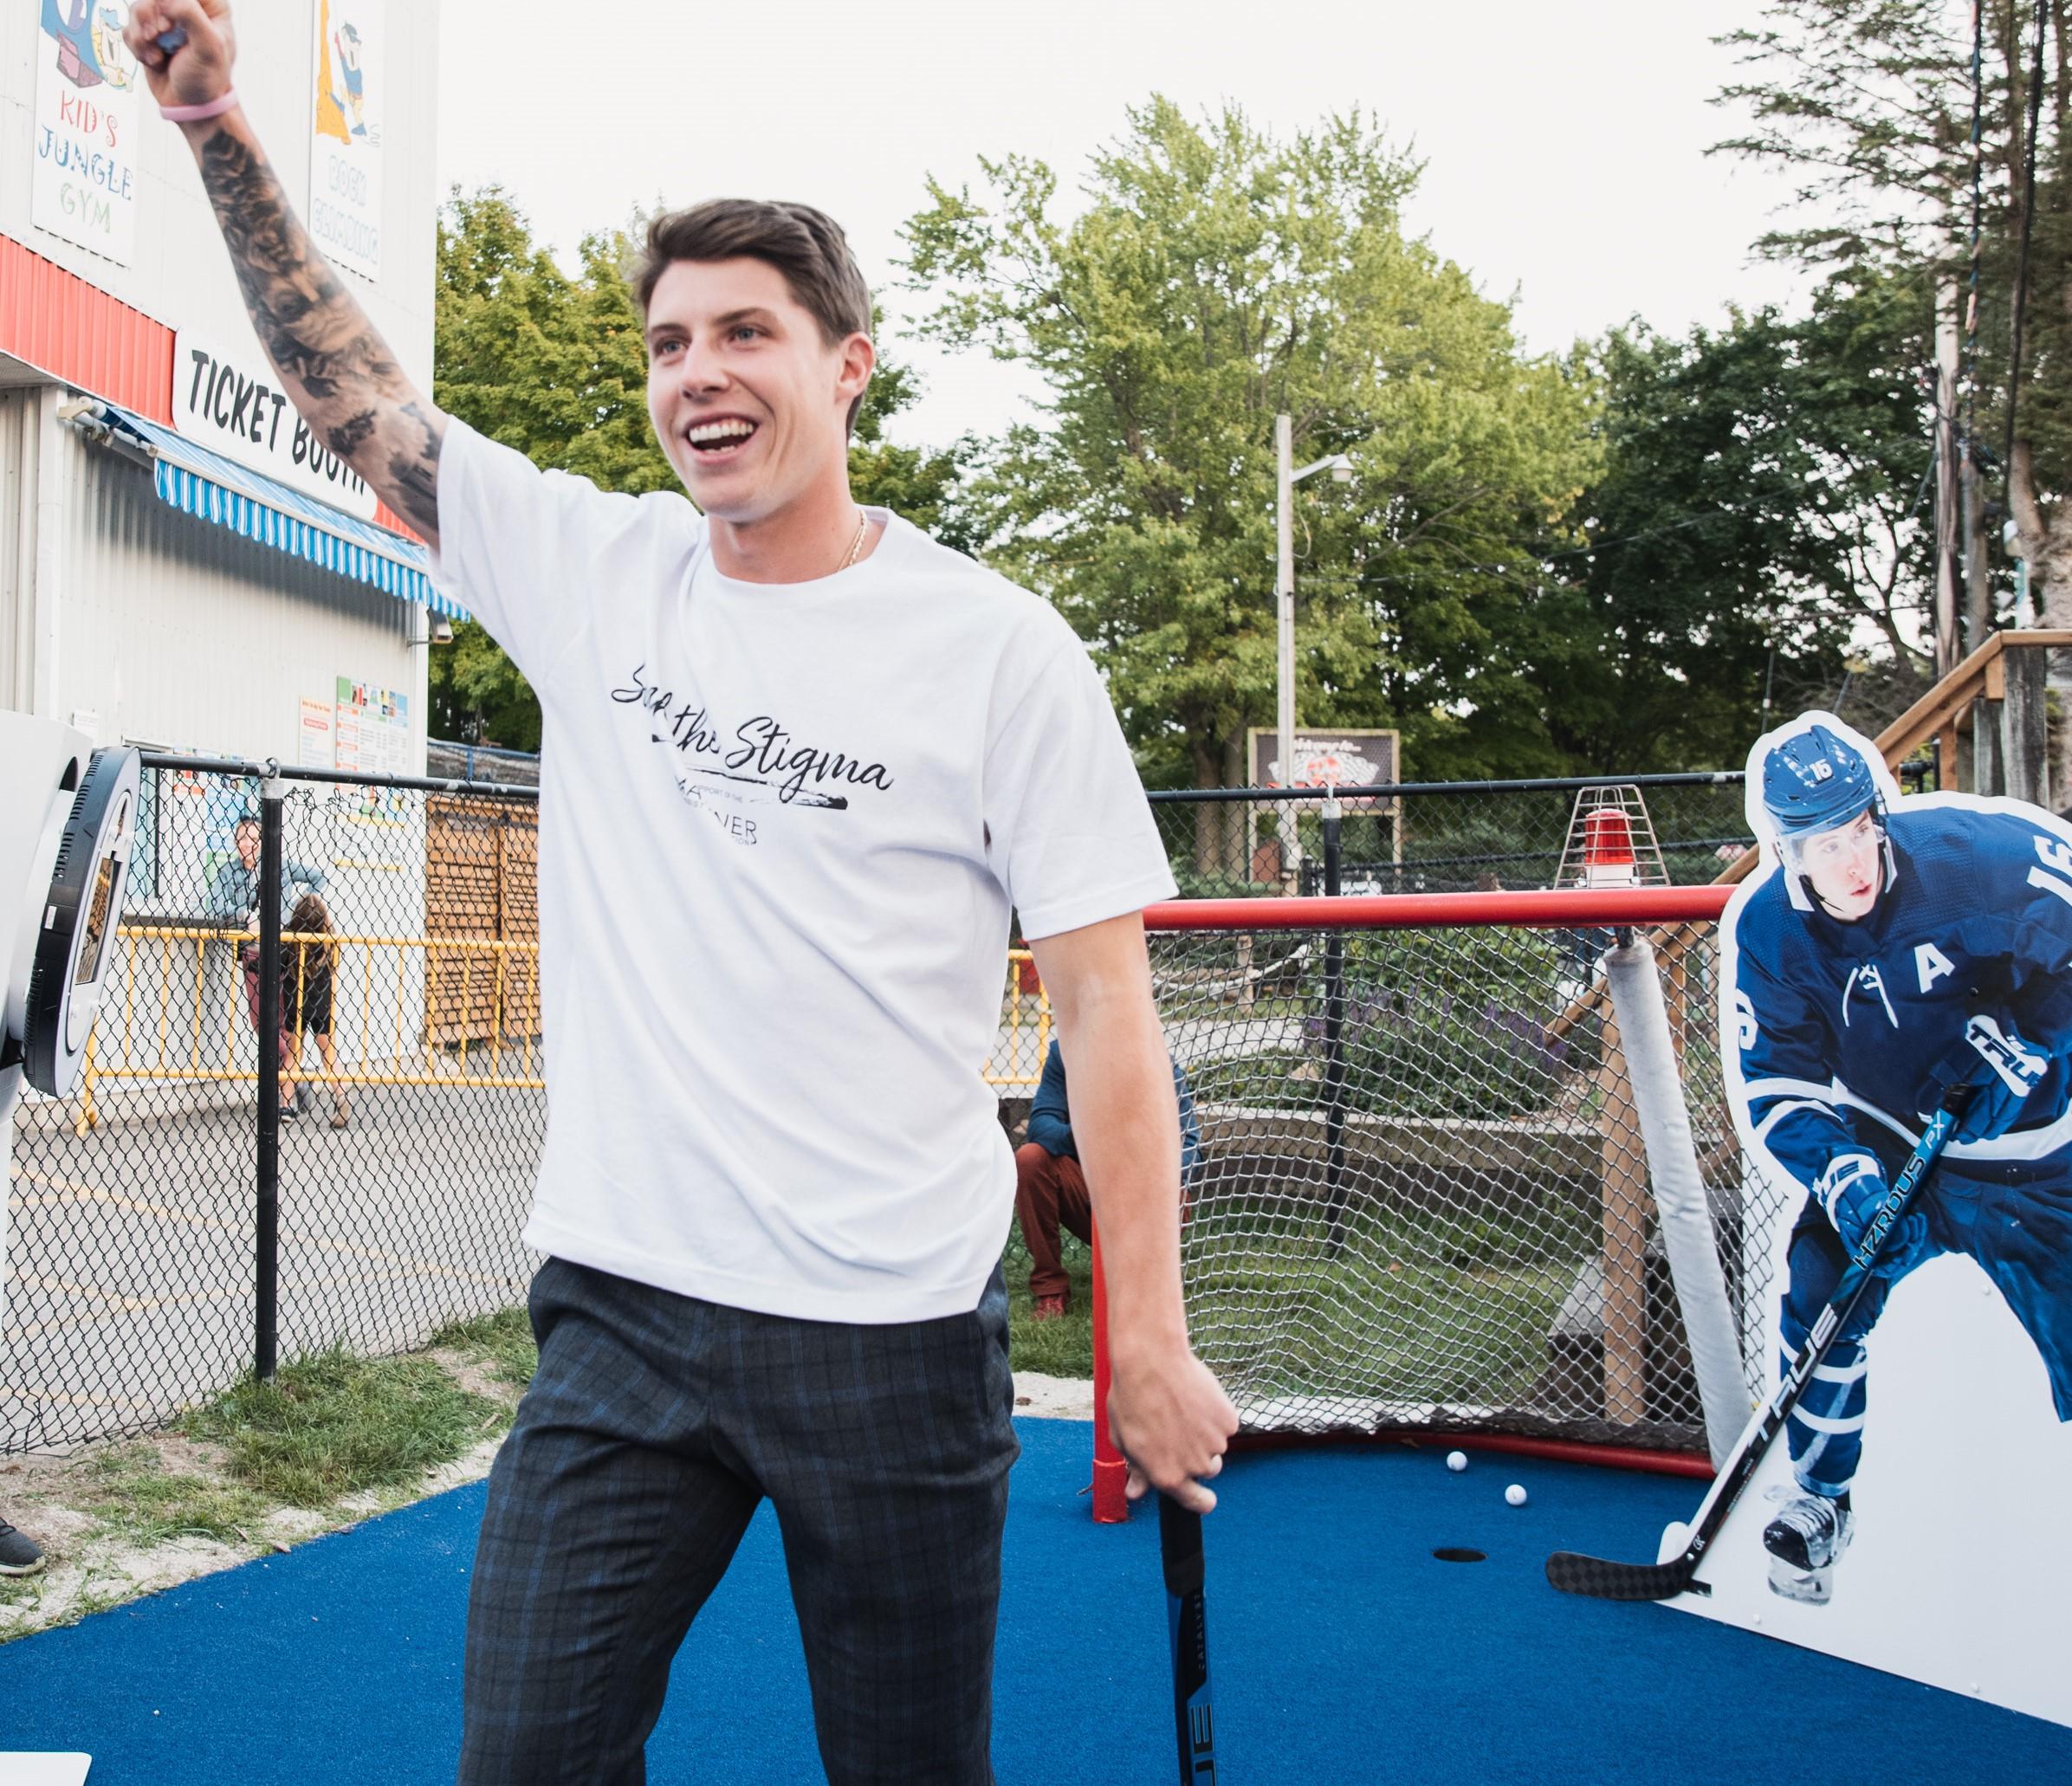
[(56, 320), (17, 549), (181, 634)]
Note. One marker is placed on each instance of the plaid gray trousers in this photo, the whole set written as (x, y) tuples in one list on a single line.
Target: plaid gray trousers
[(655, 1426)]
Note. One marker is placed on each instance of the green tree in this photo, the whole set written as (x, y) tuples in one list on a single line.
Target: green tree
[(1758, 509), (556, 367), (1870, 103), (551, 365), (1215, 278)]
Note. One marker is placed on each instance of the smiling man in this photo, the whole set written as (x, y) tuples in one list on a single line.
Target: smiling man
[(799, 761)]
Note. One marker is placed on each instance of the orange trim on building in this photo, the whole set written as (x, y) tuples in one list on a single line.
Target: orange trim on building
[(74, 331), (61, 325), (386, 517)]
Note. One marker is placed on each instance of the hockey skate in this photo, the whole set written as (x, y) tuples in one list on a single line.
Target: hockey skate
[(1809, 1535)]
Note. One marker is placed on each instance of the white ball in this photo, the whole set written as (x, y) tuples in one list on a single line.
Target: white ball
[(1456, 1461), (1515, 1495)]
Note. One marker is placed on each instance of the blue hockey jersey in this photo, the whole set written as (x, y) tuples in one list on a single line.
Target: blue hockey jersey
[(1834, 1029)]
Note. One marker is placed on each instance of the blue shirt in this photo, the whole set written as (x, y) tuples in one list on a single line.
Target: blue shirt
[(234, 892), (1050, 1122), (1837, 1027)]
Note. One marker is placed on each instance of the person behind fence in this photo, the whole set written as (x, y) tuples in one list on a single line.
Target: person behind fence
[(233, 898), (308, 971), (804, 761), (1050, 1189)]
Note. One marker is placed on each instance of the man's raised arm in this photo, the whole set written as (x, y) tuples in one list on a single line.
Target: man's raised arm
[(338, 371)]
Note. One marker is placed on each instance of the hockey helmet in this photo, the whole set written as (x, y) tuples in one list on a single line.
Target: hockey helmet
[(1815, 781)]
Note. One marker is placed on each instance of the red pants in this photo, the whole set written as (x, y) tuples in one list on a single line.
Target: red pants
[(1050, 1190)]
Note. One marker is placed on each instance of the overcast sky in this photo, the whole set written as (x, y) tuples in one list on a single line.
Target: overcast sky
[(1564, 145)]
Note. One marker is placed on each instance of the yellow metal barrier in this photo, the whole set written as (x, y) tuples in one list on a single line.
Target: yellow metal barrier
[(1026, 1007), (154, 1025)]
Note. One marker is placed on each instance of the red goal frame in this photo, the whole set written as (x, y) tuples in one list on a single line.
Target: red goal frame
[(1630, 908)]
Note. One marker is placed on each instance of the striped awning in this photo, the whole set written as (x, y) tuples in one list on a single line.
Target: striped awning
[(210, 488)]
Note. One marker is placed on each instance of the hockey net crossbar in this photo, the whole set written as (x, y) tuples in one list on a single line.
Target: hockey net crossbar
[(1423, 1201), (1557, 908)]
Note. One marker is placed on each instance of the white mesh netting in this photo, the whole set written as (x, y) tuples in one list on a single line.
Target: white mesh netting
[(1422, 1199)]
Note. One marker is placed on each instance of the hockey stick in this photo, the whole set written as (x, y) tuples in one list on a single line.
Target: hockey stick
[(1180, 1548), (1603, 1580)]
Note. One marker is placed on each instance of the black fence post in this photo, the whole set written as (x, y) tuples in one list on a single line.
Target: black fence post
[(1334, 1034), (266, 1249)]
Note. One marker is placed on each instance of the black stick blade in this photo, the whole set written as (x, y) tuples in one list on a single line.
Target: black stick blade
[(1598, 1579)]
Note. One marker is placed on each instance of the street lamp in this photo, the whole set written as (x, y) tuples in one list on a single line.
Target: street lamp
[(1340, 467)]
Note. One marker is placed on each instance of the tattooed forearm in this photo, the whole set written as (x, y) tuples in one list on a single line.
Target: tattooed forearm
[(338, 372), (414, 462), (347, 437)]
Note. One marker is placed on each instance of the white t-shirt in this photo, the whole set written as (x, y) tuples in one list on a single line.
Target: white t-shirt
[(780, 828)]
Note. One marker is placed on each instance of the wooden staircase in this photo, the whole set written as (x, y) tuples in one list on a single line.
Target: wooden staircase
[(1987, 720)]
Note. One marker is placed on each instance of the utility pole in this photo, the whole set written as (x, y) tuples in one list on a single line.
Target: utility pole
[(1947, 648), (1286, 478), (1284, 584), (1978, 590), (1978, 587)]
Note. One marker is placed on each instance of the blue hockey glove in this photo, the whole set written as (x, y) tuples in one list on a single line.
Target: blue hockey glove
[(2006, 1068), (1851, 1190)]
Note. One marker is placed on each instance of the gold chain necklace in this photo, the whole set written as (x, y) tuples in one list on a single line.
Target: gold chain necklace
[(863, 521)]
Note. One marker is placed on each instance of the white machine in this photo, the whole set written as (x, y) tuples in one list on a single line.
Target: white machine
[(67, 824)]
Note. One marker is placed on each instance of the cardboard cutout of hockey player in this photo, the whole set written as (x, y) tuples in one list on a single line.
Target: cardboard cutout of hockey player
[(1880, 930)]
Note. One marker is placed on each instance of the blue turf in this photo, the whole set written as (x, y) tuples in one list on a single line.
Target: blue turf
[(1342, 1653)]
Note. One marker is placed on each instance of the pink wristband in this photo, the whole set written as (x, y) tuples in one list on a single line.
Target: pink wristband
[(194, 115)]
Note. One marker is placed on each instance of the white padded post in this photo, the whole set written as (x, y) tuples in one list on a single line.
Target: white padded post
[(1679, 1198)]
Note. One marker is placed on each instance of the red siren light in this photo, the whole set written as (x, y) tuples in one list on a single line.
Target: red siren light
[(1608, 853)]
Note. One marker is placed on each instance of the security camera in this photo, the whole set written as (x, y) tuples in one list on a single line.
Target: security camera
[(441, 630), (68, 824)]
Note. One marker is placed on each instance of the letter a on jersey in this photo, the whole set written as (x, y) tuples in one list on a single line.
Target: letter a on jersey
[(1931, 964)]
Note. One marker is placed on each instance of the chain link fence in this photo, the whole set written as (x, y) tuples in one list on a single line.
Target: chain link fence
[(205, 1203), (449, 758), (1431, 836), (1423, 1199), (167, 1235)]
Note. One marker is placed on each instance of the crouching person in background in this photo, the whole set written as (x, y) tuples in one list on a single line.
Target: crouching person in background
[(1050, 1190)]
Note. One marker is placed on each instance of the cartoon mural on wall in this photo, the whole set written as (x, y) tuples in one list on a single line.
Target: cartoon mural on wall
[(90, 49), (345, 171), (84, 185)]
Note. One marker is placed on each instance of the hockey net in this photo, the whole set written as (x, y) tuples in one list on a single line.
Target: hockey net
[(1423, 1202)]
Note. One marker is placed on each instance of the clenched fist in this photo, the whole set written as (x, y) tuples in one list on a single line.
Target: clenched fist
[(1170, 1417), (198, 70)]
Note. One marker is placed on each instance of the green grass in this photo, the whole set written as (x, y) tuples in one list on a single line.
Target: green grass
[(332, 1425), (1418, 1304), (133, 1495), (1437, 1303), (19, 1590), (1059, 1347), (28, 1590), (502, 1342)]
